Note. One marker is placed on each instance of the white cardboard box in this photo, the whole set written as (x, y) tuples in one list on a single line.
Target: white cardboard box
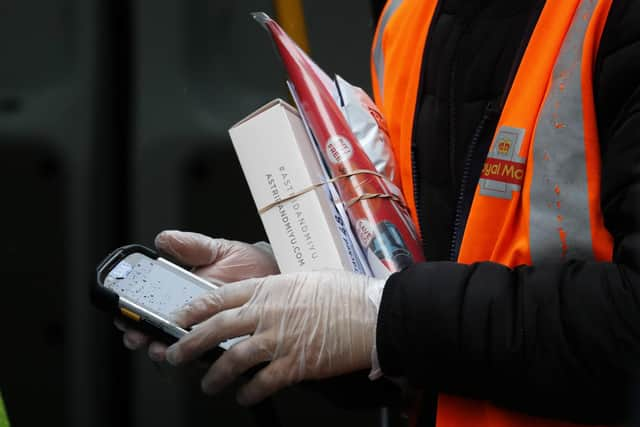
[(278, 160)]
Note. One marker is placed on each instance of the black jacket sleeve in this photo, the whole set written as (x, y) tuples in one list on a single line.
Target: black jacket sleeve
[(559, 340)]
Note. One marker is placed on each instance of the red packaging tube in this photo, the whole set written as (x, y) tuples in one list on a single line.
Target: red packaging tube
[(375, 208)]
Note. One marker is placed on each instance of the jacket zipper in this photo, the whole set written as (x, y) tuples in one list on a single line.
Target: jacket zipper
[(452, 143), (466, 172), (452, 146)]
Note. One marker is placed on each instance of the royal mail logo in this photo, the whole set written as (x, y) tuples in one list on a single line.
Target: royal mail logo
[(504, 145), (504, 169)]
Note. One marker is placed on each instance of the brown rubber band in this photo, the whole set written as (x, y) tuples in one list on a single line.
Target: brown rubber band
[(350, 203)]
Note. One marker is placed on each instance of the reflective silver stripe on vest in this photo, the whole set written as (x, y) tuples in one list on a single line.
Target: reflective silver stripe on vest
[(378, 55), (559, 222)]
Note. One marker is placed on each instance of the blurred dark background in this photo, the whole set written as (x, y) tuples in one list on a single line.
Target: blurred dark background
[(113, 126)]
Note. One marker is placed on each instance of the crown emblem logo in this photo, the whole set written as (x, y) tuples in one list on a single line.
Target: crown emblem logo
[(504, 145)]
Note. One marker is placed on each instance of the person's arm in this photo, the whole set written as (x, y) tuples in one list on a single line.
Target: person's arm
[(560, 340), (557, 339)]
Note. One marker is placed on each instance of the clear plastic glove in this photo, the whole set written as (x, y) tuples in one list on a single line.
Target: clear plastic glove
[(307, 325), (218, 259), (213, 259)]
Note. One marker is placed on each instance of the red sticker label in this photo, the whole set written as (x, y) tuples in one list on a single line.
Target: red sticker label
[(503, 171)]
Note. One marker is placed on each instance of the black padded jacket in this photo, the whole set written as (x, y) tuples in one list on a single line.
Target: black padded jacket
[(558, 340)]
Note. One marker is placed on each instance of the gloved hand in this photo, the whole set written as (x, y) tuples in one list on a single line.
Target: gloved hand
[(213, 259), (307, 325)]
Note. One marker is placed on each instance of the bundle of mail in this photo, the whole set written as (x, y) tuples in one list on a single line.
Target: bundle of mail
[(323, 176)]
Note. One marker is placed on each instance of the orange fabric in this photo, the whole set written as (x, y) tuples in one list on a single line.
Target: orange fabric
[(403, 62), (497, 228), (486, 236)]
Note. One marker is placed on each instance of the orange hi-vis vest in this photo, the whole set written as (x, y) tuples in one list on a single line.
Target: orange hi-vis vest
[(538, 197)]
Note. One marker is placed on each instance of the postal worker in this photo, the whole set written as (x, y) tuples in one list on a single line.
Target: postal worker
[(516, 127)]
